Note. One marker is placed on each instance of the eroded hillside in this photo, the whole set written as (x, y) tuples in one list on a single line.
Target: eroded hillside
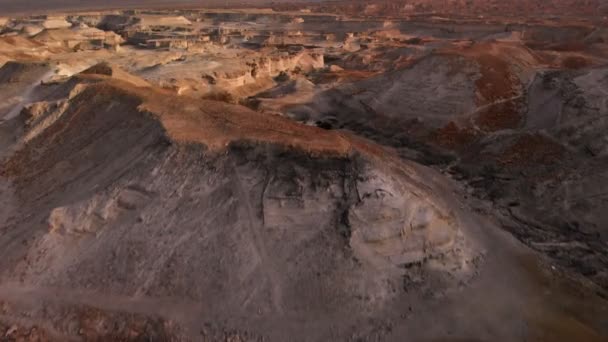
[(249, 175)]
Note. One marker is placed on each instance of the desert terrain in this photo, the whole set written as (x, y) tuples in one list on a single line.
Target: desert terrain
[(325, 171)]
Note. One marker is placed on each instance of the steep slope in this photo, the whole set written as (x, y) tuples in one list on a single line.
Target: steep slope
[(17, 84), (520, 128), (122, 192), (558, 207), (129, 213)]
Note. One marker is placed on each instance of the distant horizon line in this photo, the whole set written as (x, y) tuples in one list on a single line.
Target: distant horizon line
[(10, 7)]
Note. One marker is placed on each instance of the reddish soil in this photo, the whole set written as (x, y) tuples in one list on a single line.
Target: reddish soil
[(345, 76), (497, 81), (504, 115), (498, 86), (575, 62), (403, 62), (568, 46), (453, 137), (531, 150)]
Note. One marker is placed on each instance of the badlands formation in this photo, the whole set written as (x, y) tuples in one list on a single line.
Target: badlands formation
[(339, 171)]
